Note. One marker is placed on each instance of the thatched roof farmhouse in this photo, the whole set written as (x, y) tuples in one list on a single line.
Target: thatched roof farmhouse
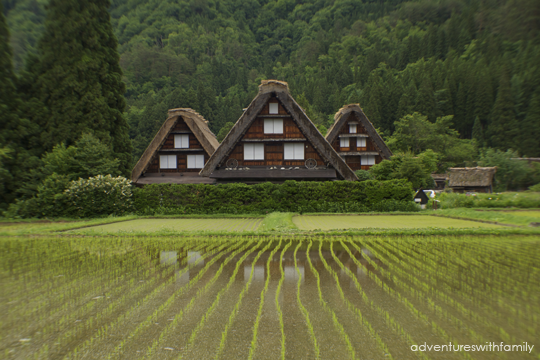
[(178, 151), (355, 139), (274, 140)]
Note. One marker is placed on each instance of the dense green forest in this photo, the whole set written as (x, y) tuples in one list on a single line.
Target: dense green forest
[(468, 67)]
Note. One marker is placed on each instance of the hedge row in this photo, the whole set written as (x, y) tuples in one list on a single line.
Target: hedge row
[(291, 196)]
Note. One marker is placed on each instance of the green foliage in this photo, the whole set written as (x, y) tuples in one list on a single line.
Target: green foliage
[(511, 173), (291, 196), (535, 188), (224, 131), (99, 196), (416, 133), (436, 59), (415, 169), (79, 80), (86, 158), (363, 175)]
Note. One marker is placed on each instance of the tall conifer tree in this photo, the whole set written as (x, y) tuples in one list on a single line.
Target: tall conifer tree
[(79, 77), (530, 128), (503, 129)]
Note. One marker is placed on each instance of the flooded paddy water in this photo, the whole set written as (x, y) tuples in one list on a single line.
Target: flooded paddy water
[(267, 297)]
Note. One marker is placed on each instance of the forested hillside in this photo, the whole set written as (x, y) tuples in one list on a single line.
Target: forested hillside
[(475, 60)]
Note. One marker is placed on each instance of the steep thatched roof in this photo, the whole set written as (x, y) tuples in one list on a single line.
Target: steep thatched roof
[(341, 117), (280, 90), (196, 123), (471, 176)]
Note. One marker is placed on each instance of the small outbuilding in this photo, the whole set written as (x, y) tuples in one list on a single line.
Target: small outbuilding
[(477, 179)]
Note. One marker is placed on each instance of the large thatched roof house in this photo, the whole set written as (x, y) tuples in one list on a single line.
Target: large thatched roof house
[(178, 151), (355, 139), (479, 179), (274, 140)]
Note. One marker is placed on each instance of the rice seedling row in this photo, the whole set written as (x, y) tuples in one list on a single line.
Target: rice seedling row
[(201, 292), (261, 303), (185, 297), (302, 307), (233, 314)]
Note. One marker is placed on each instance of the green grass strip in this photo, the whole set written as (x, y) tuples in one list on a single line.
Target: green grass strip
[(263, 293), (302, 308)]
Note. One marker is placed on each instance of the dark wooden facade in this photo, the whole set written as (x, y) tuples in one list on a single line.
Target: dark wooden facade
[(355, 139), (195, 148), (274, 144), (360, 144)]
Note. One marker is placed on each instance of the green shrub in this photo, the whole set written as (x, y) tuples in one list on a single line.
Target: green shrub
[(291, 196), (99, 196), (363, 175), (535, 188)]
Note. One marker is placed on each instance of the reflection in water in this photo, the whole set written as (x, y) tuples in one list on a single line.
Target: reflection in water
[(182, 278), (168, 257), (258, 272), (193, 256), (291, 274)]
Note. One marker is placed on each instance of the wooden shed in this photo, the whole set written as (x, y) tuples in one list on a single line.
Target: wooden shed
[(178, 152), (477, 179), (355, 139), (274, 140)]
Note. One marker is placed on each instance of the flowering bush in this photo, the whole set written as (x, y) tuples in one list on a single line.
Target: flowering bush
[(100, 195)]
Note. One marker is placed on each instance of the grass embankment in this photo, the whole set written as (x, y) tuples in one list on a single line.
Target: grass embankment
[(522, 200), (459, 221), (521, 218)]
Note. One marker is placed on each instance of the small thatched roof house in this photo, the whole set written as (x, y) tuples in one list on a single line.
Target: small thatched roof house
[(274, 140), (355, 139), (178, 151), (479, 179)]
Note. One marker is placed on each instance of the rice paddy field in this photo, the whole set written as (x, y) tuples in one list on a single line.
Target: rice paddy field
[(172, 225), (334, 222), (239, 297)]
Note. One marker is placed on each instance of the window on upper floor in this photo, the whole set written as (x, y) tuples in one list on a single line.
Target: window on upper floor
[(361, 142), (273, 126), (352, 128), (181, 141), (344, 142), (273, 108)]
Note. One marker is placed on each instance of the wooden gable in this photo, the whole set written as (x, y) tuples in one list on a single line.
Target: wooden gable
[(168, 148), (274, 144)]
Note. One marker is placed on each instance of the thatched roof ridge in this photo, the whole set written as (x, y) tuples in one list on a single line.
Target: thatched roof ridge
[(280, 90), (471, 176), (341, 117), (196, 123)]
